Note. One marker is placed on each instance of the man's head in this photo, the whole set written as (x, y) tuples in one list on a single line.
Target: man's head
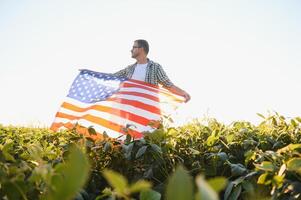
[(140, 48)]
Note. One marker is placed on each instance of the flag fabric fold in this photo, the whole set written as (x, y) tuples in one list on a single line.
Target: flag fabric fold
[(117, 106)]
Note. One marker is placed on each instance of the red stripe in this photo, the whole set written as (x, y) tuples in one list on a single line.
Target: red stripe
[(112, 126), (161, 91), (55, 126), (131, 85), (143, 83), (80, 129), (137, 104), (66, 116), (139, 94)]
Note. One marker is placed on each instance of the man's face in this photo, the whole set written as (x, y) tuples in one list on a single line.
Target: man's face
[(135, 50)]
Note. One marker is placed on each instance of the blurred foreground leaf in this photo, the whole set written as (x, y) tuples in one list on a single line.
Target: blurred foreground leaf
[(71, 176)]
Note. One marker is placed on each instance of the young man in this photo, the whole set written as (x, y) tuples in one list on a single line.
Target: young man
[(149, 71)]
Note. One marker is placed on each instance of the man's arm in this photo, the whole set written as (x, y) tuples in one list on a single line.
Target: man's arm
[(165, 81), (179, 91), (120, 73)]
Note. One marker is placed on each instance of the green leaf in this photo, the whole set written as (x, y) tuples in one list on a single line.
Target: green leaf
[(218, 183), (248, 187), (156, 148), (150, 195), (105, 193), (222, 156), (262, 178), (260, 115), (294, 146), (294, 164), (71, 177), (278, 180), (265, 166), (12, 191), (5, 150), (179, 186), (236, 192), (205, 191), (298, 119), (105, 135), (128, 139), (237, 169), (228, 190), (274, 121), (239, 180), (148, 173), (249, 155), (91, 130), (107, 147), (141, 151), (116, 180), (128, 150), (211, 140), (193, 151), (140, 185), (294, 123)]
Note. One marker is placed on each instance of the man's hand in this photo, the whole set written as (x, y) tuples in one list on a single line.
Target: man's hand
[(180, 92), (186, 96)]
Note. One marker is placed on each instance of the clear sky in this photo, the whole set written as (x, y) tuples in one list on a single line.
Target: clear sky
[(235, 58)]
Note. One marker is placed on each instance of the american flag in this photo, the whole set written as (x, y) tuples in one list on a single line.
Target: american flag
[(114, 105)]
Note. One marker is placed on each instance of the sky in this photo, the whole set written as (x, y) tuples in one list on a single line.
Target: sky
[(235, 58)]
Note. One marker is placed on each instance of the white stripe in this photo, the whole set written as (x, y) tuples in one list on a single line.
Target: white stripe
[(64, 120), (143, 91), (159, 95)]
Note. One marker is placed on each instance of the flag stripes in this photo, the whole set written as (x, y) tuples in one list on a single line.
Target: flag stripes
[(129, 110)]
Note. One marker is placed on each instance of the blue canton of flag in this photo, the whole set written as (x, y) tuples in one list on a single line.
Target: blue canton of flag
[(91, 86)]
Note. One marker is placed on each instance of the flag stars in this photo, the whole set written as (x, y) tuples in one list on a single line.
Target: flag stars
[(91, 87)]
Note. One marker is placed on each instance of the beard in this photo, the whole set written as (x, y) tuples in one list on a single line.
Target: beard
[(134, 55)]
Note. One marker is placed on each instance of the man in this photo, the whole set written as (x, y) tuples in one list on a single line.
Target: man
[(149, 71)]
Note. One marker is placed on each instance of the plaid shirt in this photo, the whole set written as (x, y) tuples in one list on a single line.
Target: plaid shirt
[(154, 74)]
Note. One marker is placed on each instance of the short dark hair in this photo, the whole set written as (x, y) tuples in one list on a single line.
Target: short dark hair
[(143, 44)]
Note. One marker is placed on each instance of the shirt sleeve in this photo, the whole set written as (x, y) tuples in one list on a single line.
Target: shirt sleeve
[(121, 73), (163, 78)]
